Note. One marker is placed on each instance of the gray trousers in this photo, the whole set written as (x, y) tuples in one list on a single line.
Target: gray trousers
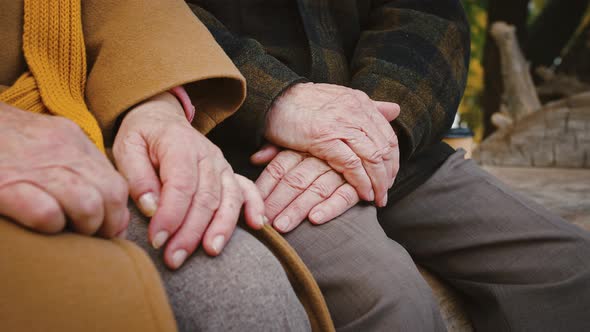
[(243, 289), (517, 266)]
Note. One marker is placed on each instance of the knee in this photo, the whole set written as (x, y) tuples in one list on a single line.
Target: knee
[(387, 291), (244, 287)]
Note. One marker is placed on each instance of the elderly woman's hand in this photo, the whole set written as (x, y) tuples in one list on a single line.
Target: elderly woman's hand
[(51, 175), (345, 128), (181, 180), (296, 186)]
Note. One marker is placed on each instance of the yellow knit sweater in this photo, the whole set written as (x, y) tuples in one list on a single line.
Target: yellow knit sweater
[(53, 44)]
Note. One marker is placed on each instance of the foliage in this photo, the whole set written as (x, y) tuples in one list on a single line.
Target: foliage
[(470, 109)]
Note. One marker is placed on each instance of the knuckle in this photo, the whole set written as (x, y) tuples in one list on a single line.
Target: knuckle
[(349, 196), (89, 206), (207, 199), (295, 180), (393, 141), (352, 162), (273, 206), (276, 170), (118, 191), (376, 156), (184, 188), (216, 151), (321, 189), (46, 217)]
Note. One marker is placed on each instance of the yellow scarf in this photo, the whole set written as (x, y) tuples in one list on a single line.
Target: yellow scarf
[(53, 44)]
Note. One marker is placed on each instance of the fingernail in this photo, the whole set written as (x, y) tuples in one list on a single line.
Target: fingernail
[(262, 220), (371, 196), (282, 224), (178, 258), (258, 154), (218, 243), (160, 239), (318, 217), (148, 204)]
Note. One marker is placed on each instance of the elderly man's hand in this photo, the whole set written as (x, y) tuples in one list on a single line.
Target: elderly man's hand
[(296, 186), (345, 128), (181, 180), (51, 174)]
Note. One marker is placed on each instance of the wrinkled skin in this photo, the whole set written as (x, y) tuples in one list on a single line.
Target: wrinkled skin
[(345, 128), (296, 186), (181, 180), (51, 175), (341, 148)]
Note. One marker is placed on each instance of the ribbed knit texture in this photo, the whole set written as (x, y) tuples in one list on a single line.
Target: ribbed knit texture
[(53, 44)]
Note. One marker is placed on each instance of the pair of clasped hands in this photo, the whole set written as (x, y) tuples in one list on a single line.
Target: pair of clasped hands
[(339, 148)]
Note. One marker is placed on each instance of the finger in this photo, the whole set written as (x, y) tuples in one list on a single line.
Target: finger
[(253, 203), (80, 200), (342, 159), (267, 153), (392, 158), (297, 211), (276, 170), (370, 146), (204, 203), (389, 110), (226, 217), (344, 198), (133, 161), (180, 174), (31, 207), (293, 184), (114, 192)]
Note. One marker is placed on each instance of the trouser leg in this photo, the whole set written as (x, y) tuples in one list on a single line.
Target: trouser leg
[(370, 283), (519, 267), (244, 289)]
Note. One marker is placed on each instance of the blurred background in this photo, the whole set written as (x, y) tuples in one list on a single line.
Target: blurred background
[(554, 36)]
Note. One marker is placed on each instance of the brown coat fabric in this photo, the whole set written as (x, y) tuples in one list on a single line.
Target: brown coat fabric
[(135, 51)]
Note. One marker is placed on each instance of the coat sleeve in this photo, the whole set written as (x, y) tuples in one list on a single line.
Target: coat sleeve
[(137, 49), (415, 53), (267, 77)]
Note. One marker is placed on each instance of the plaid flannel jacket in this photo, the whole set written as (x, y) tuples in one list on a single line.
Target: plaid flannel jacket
[(412, 52)]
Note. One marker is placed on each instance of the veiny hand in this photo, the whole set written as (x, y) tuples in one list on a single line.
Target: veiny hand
[(296, 186), (181, 180), (345, 128), (52, 175)]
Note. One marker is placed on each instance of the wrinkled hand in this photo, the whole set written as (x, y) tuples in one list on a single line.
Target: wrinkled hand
[(181, 180), (345, 128), (51, 174), (296, 186)]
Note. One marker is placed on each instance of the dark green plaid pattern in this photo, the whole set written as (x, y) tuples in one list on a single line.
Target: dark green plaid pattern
[(412, 52)]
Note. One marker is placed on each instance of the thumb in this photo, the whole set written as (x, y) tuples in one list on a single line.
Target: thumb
[(135, 165), (389, 110), (264, 156)]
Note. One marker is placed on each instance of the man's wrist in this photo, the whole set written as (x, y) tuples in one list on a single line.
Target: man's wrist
[(279, 99)]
